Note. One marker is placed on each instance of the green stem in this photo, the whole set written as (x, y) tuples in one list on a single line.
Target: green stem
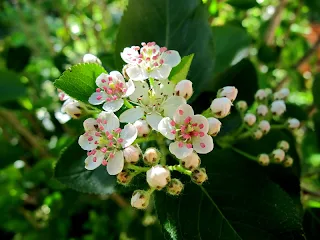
[(137, 168), (127, 103), (179, 168), (145, 139), (278, 126), (247, 155), (207, 113), (163, 149)]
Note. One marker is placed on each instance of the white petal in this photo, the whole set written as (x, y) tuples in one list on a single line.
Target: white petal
[(171, 57), (113, 106), (102, 76), (164, 88), (115, 164), (165, 128), (130, 88), (90, 164), (93, 98), (171, 104), (182, 112), (153, 120), (203, 124), (180, 152), (136, 73), (141, 91), (128, 134), (112, 121), (131, 115), (117, 76), (129, 54), (161, 72), (203, 144), (87, 145)]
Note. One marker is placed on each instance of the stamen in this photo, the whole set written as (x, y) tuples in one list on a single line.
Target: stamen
[(99, 97), (187, 120), (110, 136), (172, 123), (180, 112), (180, 144), (117, 130), (111, 155), (201, 134), (90, 138), (104, 162), (189, 145), (104, 149), (94, 159), (98, 89), (173, 131), (201, 126), (103, 80), (202, 145)]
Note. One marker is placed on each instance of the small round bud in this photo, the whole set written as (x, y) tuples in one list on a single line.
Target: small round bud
[(199, 176), (131, 154), (191, 162), (293, 123), (250, 119), (264, 126), (260, 95), (268, 91), (228, 92), (242, 106), (264, 159), (142, 127), (262, 110), (184, 89), (151, 156), (278, 107), (288, 161), (140, 199), (175, 187), (90, 124), (281, 94), (220, 107), (284, 145), (90, 58), (124, 177), (278, 155), (257, 134), (158, 177), (214, 126), (73, 109)]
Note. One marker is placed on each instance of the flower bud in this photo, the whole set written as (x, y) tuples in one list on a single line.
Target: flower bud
[(262, 110), (288, 161), (142, 127), (242, 106), (131, 154), (250, 119), (268, 91), (140, 199), (90, 58), (151, 156), (220, 107), (264, 159), (281, 94), (228, 92), (264, 126), (175, 187), (90, 124), (278, 107), (261, 95), (191, 162), (278, 155), (293, 123), (284, 145), (74, 109), (124, 71), (257, 134), (124, 177), (158, 177), (199, 176), (214, 126), (184, 89)]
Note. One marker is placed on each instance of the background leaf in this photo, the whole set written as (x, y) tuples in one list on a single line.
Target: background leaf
[(180, 72), (11, 87)]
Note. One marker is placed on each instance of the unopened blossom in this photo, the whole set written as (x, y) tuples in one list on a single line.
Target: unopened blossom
[(262, 110), (73, 108), (278, 155), (155, 102), (140, 199), (149, 61), (261, 94), (158, 177), (189, 132), (90, 58), (293, 123), (228, 92), (281, 94), (214, 126), (191, 162), (142, 127), (111, 89), (257, 134), (242, 106), (284, 145), (288, 161), (184, 89), (124, 177), (278, 107), (199, 176), (105, 141), (264, 126), (250, 119), (151, 156), (220, 107), (131, 154), (175, 187), (264, 159)]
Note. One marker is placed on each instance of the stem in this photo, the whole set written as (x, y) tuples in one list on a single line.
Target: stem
[(207, 113), (127, 104), (247, 155), (163, 150), (137, 168), (179, 168), (145, 139), (278, 126)]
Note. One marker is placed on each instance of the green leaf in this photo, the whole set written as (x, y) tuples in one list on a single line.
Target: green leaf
[(180, 72), (238, 202), (316, 91), (311, 222), (18, 58), (243, 4), (179, 25), (79, 80), (11, 87), (71, 172)]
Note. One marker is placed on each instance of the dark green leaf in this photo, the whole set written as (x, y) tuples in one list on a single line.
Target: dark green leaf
[(316, 91), (11, 87), (243, 4), (180, 72), (71, 172), (18, 58), (311, 223)]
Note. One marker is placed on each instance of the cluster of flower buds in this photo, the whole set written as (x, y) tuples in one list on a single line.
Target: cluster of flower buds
[(145, 117), (277, 156)]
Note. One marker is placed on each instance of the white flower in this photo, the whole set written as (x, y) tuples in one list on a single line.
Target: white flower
[(261, 94), (278, 107), (105, 141), (189, 131), (220, 107), (131, 154), (150, 61), (184, 89), (142, 127), (140, 199), (111, 89), (191, 162), (214, 126), (264, 126), (264, 159), (278, 155), (250, 119), (90, 58), (284, 145), (158, 177), (293, 123), (228, 92), (154, 103), (262, 110), (281, 94)]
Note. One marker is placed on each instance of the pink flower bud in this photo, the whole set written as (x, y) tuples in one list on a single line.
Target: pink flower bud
[(293, 123), (262, 110), (131, 154), (228, 92), (250, 119), (264, 126), (220, 107), (151, 156), (278, 107), (158, 177), (278, 155), (264, 159), (140, 199), (142, 127), (191, 162), (214, 126), (184, 89)]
